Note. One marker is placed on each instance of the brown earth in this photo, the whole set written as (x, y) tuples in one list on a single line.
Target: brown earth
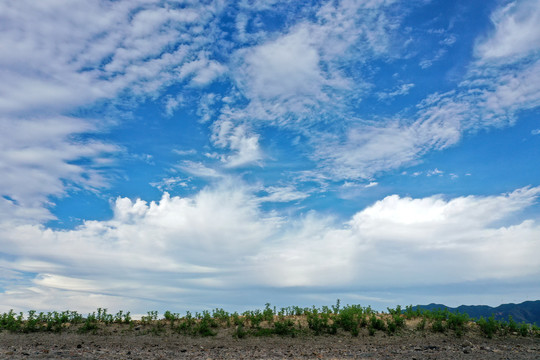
[(141, 344)]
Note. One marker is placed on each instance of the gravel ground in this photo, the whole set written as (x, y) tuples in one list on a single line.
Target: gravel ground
[(136, 345)]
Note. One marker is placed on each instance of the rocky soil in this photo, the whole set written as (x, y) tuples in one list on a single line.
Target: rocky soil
[(145, 345)]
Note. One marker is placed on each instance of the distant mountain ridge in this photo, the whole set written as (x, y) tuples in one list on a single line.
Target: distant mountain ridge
[(528, 311)]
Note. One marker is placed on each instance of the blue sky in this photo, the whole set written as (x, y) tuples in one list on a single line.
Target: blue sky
[(188, 155)]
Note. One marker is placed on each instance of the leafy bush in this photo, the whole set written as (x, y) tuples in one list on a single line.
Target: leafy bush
[(489, 327), (375, 323), (284, 327), (524, 329), (395, 322), (90, 324), (438, 326), (421, 326), (268, 322), (240, 333), (457, 322)]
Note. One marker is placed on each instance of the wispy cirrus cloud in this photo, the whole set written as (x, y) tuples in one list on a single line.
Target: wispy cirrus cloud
[(38, 159), (58, 56), (490, 95), (516, 31)]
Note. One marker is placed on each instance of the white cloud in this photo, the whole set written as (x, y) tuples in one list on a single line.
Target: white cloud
[(514, 90), (221, 239), (201, 71), (282, 194), (127, 255), (58, 56), (173, 103), (435, 172), (198, 169), (402, 89), (292, 78), (243, 143), (246, 147), (299, 81), (285, 68), (184, 152), (535, 132), (67, 54), (170, 183), (449, 40), (424, 64), (368, 150), (300, 77), (37, 160), (207, 104), (490, 96), (516, 31)]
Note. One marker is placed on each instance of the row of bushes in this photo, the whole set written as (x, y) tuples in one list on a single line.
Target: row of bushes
[(288, 321)]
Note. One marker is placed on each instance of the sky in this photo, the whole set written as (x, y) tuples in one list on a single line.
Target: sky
[(188, 155)]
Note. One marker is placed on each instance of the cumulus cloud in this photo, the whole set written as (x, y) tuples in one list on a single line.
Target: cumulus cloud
[(142, 243), (220, 238)]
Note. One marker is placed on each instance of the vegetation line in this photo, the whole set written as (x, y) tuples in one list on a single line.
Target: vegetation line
[(290, 321)]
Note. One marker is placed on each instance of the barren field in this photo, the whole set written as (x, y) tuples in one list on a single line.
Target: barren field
[(139, 343), (350, 332)]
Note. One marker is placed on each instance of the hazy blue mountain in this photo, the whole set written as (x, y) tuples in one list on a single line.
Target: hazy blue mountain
[(528, 311)]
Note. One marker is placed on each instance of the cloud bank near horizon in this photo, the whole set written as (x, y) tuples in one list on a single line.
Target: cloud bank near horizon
[(179, 248)]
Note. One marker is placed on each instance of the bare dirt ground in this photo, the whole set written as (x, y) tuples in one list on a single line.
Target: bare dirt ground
[(142, 345)]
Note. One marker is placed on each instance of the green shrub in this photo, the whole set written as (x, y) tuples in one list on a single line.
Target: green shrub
[(535, 330), (172, 317), (395, 322), (268, 313), (240, 332), (318, 324), (512, 324), (284, 327), (375, 323), (349, 318), (90, 324), (524, 329), (411, 314), (421, 326), (438, 326), (148, 319), (489, 327), (457, 322), (205, 325), (10, 322), (222, 317)]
